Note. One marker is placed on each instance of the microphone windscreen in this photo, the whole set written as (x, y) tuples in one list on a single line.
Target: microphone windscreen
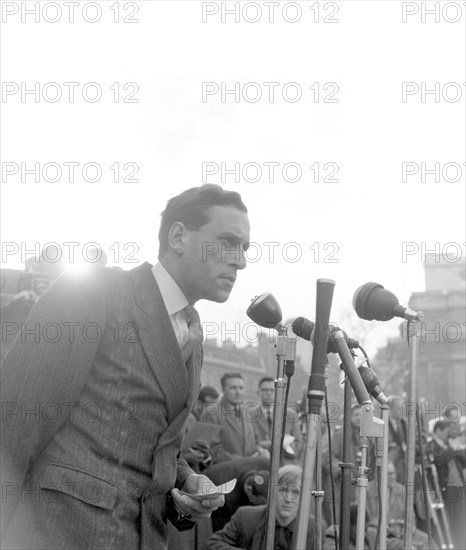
[(265, 311), (372, 302), (303, 328)]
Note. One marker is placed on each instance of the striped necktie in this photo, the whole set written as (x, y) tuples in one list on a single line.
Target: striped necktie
[(194, 336)]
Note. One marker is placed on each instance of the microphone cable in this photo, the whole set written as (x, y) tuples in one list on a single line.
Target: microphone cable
[(366, 356), (289, 371)]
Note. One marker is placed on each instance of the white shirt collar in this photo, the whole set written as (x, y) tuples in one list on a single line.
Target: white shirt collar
[(172, 295)]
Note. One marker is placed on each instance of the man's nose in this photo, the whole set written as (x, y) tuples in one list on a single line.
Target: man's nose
[(238, 258), (234, 256), (242, 260)]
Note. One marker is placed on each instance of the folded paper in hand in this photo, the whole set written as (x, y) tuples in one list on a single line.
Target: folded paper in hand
[(222, 489)]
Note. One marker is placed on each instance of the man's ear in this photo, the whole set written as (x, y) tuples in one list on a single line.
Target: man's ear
[(177, 237)]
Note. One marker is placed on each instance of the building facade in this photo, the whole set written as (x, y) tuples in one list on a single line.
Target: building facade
[(442, 345)]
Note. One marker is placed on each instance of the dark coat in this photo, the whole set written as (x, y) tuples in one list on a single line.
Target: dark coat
[(245, 528), (95, 417), (233, 469), (237, 437)]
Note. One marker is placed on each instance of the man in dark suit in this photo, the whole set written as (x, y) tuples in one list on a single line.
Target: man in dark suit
[(236, 438), (263, 422), (246, 527), (94, 411)]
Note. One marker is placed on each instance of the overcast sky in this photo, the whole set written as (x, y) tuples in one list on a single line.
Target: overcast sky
[(339, 106)]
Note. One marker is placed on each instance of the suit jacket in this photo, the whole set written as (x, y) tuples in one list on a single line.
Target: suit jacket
[(263, 432), (97, 396), (237, 437), (245, 528), (13, 312)]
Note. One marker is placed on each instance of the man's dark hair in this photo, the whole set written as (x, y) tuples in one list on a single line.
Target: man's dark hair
[(265, 379), (192, 209), (207, 391), (229, 375), (441, 425)]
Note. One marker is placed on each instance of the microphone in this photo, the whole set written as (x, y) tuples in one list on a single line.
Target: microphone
[(303, 328), (266, 312), (316, 388), (349, 367), (369, 377), (315, 393), (371, 301)]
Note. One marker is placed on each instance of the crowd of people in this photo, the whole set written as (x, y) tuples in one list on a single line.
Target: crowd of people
[(132, 444), (241, 449)]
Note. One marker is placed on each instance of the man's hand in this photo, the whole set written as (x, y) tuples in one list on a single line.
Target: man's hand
[(261, 452), (194, 509)]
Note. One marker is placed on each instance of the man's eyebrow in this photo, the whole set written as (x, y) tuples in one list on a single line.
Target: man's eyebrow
[(229, 235)]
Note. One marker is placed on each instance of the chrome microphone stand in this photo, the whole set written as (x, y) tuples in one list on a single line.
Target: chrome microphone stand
[(285, 351), (413, 331), (370, 427), (382, 462), (318, 493)]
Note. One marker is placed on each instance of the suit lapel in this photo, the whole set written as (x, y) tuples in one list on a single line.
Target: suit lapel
[(159, 341), (193, 366)]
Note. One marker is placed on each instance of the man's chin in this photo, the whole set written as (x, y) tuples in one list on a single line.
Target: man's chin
[(220, 297)]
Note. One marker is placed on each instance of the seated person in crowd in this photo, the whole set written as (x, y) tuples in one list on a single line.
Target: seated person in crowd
[(251, 486), (247, 525), (206, 402)]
